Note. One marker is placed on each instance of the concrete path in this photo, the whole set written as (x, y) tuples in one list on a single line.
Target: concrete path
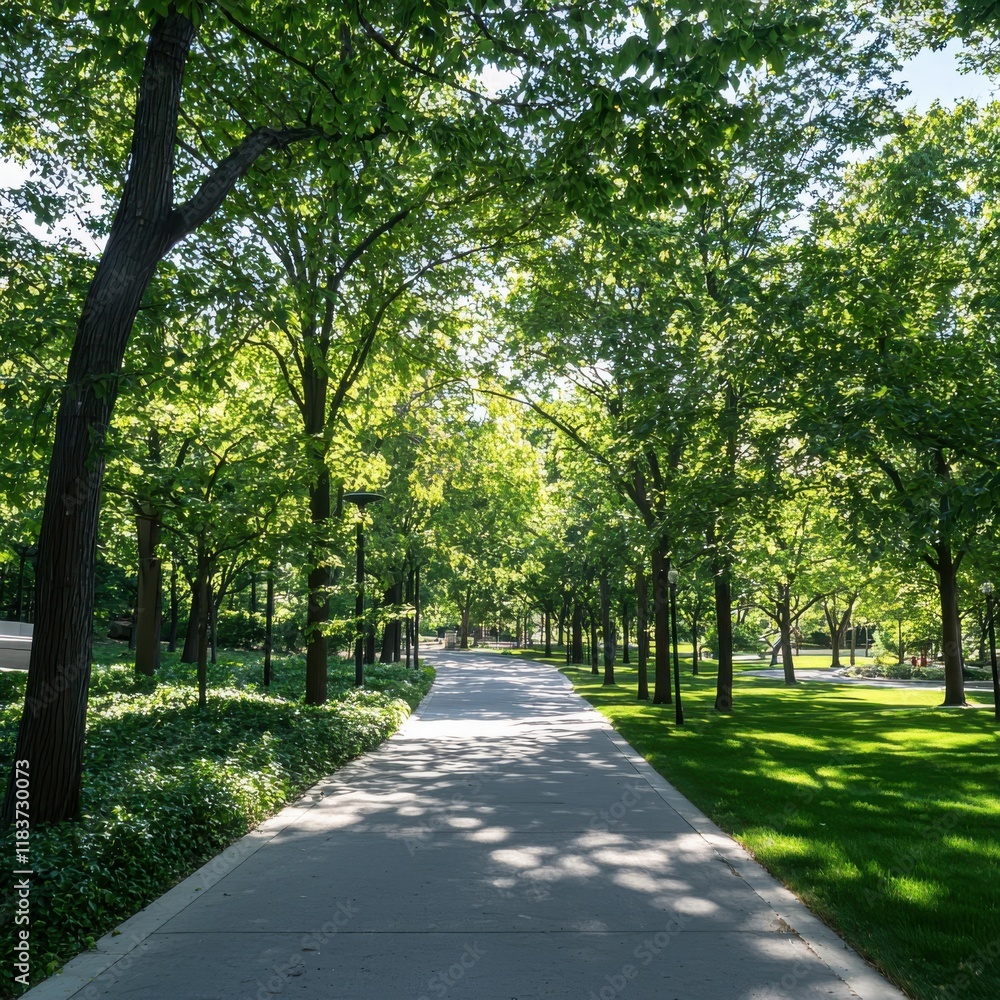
[(507, 844)]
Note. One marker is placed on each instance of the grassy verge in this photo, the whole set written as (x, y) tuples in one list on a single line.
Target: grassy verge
[(168, 785), (879, 809)]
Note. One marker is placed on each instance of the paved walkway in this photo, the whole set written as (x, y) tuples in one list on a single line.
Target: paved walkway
[(507, 844)]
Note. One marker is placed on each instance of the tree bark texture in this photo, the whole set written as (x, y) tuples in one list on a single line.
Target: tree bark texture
[(268, 625), (784, 610), (318, 607), (174, 612), (147, 619), (662, 693), (607, 627), (576, 634), (625, 633), (951, 625), (594, 654), (724, 632), (641, 632)]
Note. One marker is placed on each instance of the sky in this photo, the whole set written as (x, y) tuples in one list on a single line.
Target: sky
[(934, 76)]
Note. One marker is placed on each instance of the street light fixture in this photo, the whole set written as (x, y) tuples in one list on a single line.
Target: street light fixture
[(987, 589), (361, 499), (672, 577)]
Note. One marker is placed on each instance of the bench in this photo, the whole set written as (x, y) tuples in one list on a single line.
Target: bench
[(15, 644)]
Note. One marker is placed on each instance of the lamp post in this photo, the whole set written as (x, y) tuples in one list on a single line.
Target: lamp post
[(987, 589), (361, 499), (672, 576)]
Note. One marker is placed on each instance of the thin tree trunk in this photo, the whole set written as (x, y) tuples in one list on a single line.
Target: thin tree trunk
[(607, 628), (370, 633), (642, 632), (213, 622), (318, 607), (724, 632), (951, 625), (416, 617), (190, 652), (576, 637), (174, 611), (548, 633), (625, 633), (147, 625), (268, 625), (594, 654), (466, 612), (694, 644), (662, 688), (785, 628), (204, 602)]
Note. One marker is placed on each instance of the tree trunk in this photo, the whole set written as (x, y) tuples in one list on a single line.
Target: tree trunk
[(607, 627), (253, 592), (190, 652), (694, 644), (204, 601), (318, 607), (370, 633), (785, 628), (174, 611), (662, 693), (213, 622), (833, 625), (416, 617), (548, 633), (268, 625), (625, 635), (724, 633), (642, 632), (951, 626), (391, 633), (576, 634), (594, 654), (465, 625), (147, 624)]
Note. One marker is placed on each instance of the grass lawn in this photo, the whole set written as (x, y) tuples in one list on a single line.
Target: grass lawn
[(168, 785), (880, 810)]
